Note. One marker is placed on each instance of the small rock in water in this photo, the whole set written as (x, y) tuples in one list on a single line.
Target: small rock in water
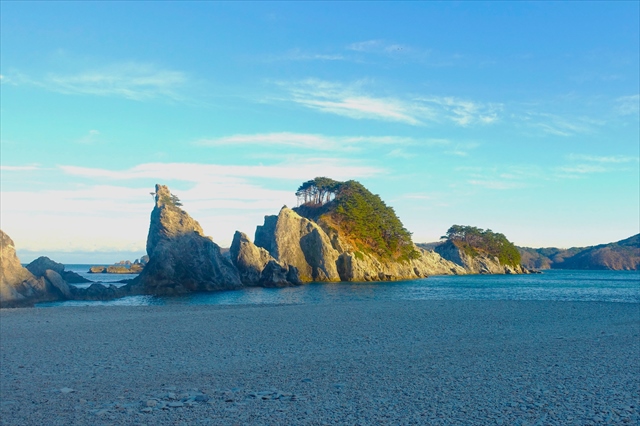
[(202, 398), (151, 403), (175, 404), (66, 390), (147, 410)]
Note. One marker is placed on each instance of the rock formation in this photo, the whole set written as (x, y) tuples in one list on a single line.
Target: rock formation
[(39, 266), (290, 240), (357, 266), (181, 258), (19, 287), (294, 240), (275, 275), (478, 264), (248, 258)]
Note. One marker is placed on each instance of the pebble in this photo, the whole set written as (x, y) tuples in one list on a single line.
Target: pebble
[(67, 390)]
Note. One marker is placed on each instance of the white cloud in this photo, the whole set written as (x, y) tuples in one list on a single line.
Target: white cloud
[(378, 46), (354, 102), (495, 184), (464, 112), (400, 153), (131, 80), (300, 55), (628, 105), (348, 101), (581, 169), (90, 137), (193, 172), (612, 159), (560, 126), (26, 168), (306, 141), (115, 217)]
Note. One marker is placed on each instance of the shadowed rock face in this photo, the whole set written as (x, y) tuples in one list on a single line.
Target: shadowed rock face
[(181, 258), (294, 240), (248, 258), (19, 287), (275, 275), (39, 267)]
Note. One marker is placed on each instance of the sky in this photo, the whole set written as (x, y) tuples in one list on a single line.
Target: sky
[(520, 117)]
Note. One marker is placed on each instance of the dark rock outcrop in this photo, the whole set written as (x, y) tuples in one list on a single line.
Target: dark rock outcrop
[(181, 258), (39, 266), (275, 275)]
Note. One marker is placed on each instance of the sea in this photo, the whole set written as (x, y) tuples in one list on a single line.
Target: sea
[(558, 285)]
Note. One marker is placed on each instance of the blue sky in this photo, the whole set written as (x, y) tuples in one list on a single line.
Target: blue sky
[(518, 117)]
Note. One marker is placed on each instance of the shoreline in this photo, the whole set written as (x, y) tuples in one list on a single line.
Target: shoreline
[(359, 362)]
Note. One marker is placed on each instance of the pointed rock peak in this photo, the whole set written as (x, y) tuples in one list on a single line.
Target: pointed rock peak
[(168, 220), (164, 197)]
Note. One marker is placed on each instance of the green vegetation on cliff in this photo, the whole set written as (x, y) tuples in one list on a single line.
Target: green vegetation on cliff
[(475, 241), (357, 216)]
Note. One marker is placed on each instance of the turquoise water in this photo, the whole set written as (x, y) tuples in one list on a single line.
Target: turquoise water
[(560, 285)]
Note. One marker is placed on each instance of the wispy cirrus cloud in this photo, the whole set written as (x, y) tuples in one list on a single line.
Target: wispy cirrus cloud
[(464, 112), (303, 55), (628, 105), (501, 178), (609, 159), (379, 46), (349, 101), (130, 80), (309, 141), (583, 165), (196, 172), (26, 168), (353, 101), (558, 125)]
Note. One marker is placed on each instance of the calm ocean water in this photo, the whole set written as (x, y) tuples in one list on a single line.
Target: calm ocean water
[(604, 286)]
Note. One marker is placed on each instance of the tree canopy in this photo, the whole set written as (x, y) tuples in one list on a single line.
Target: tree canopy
[(362, 217), (473, 241), (318, 191)]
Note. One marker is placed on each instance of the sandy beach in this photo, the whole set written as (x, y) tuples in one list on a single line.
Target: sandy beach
[(397, 362)]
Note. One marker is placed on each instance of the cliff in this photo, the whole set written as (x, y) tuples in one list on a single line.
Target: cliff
[(483, 263), (620, 255), (294, 240), (19, 287), (181, 258), (352, 237)]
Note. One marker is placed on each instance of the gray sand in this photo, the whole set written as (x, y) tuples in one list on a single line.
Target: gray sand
[(402, 362)]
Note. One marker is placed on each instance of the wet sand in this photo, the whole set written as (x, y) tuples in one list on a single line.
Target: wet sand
[(397, 362)]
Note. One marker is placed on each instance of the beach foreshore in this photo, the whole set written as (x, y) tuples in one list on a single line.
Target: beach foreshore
[(391, 362)]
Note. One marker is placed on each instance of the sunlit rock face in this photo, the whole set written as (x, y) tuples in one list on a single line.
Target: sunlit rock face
[(481, 264), (181, 258), (294, 240), (364, 267)]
